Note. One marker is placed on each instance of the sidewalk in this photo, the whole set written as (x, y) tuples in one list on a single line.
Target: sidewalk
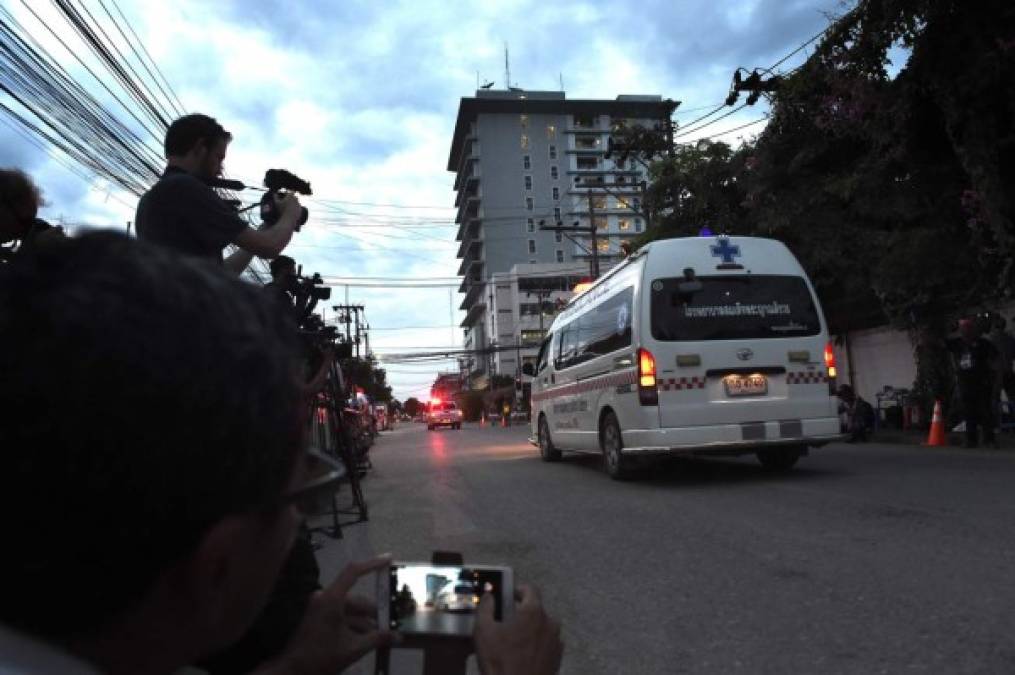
[(1006, 439)]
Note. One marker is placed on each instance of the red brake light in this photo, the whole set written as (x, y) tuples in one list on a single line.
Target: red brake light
[(646, 368), (830, 361)]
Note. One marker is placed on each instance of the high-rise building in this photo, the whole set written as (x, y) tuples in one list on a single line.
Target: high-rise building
[(525, 160)]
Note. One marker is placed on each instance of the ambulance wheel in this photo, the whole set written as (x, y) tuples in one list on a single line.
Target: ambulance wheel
[(547, 450), (617, 466), (778, 459)]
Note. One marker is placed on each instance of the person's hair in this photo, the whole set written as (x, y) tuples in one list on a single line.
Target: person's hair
[(144, 397), (17, 189), (191, 130), (280, 263)]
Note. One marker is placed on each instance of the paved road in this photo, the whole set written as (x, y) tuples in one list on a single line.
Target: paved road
[(865, 559)]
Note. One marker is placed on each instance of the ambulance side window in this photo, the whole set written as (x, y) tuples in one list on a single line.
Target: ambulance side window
[(543, 359), (568, 342)]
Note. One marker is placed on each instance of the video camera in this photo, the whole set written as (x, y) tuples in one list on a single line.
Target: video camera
[(307, 292), (280, 180)]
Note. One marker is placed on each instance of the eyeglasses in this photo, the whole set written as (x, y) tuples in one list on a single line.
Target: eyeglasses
[(325, 475)]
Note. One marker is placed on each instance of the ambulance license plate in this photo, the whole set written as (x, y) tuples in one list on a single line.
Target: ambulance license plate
[(746, 385)]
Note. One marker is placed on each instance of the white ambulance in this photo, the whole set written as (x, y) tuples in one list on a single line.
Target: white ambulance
[(691, 346)]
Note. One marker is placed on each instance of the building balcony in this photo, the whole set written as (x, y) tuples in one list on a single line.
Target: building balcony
[(472, 314), (470, 229), (473, 289), (471, 265), (469, 174), (468, 207), (473, 239)]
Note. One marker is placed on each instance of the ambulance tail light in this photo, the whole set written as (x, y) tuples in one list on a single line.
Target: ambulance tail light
[(648, 393), (830, 366)]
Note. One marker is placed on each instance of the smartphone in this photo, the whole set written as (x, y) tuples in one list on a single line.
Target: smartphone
[(426, 599)]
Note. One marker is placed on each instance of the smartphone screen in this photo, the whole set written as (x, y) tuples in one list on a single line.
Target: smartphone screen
[(433, 600)]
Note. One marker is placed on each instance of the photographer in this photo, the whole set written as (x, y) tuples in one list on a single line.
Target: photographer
[(20, 228), (182, 212)]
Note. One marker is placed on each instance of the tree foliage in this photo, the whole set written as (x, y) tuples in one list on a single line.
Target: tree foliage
[(895, 192)]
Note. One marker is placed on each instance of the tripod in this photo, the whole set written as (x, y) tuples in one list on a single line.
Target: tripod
[(334, 437)]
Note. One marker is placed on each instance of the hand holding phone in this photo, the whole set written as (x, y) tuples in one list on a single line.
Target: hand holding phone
[(527, 644)]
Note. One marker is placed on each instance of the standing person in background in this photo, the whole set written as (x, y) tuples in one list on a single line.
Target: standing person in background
[(1004, 343), (976, 365)]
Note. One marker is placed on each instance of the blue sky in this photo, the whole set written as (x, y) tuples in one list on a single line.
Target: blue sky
[(360, 98)]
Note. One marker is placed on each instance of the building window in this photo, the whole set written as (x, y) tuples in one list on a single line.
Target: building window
[(602, 223), (599, 203), (554, 174), (585, 121), (636, 204), (551, 132), (603, 245), (588, 163), (524, 121), (623, 224), (619, 163), (528, 182), (556, 193), (558, 237), (526, 162), (525, 142), (560, 255), (637, 224), (532, 246), (529, 204), (530, 225), (587, 142), (556, 214), (553, 152)]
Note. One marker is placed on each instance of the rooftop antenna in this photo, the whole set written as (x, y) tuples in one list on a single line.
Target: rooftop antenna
[(507, 68), (561, 81), (477, 79)]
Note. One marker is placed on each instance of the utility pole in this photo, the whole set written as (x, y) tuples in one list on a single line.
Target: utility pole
[(592, 229), (345, 316)]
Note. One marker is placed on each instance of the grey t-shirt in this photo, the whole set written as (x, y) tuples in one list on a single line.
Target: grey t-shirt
[(184, 214)]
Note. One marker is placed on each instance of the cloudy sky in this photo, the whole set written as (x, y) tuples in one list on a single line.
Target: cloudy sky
[(360, 98)]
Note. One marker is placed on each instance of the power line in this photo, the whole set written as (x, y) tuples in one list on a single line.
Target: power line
[(711, 122)]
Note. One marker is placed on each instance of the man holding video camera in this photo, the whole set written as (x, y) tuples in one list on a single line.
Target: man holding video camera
[(183, 212)]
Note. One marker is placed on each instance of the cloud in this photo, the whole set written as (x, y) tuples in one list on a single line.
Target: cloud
[(360, 98)]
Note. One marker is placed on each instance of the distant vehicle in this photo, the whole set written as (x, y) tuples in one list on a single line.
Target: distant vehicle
[(457, 596), (693, 346), (443, 414)]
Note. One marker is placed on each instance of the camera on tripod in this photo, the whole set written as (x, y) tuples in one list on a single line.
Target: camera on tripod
[(280, 180)]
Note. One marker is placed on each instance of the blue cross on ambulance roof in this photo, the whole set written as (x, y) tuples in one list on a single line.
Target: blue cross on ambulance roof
[(725, 250)]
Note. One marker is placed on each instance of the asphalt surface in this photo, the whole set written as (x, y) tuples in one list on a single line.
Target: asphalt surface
[(864, 559)]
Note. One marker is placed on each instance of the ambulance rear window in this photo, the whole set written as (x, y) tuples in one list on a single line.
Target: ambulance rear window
[(740, 307)]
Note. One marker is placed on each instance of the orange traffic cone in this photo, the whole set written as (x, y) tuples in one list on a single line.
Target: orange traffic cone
[(937, 437)]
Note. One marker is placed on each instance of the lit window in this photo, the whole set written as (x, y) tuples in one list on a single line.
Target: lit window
[(551, 132), (532, 246), (623, 224), (560, 256), (558, 237), (554, 174), (603, 245), (599, 203), (602, 223), (525, 142), (530, 225), (529, 204), (528, 182), (526, 162), (556, 193), (553, 152), (587, 142), (524, 121), (556, 214)]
